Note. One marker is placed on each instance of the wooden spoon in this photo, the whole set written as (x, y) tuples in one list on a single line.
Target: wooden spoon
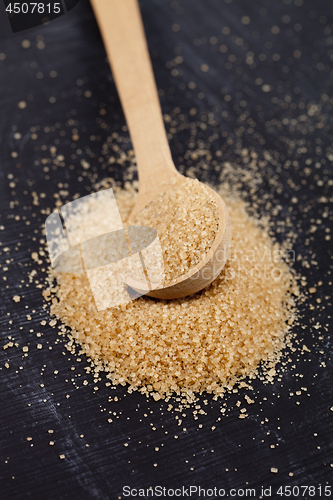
[(125, 43)]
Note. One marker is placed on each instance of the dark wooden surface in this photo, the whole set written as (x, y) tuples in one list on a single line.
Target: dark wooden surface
[(33, 389)]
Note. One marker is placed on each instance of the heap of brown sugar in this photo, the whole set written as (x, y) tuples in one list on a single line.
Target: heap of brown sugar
[(186, 221)]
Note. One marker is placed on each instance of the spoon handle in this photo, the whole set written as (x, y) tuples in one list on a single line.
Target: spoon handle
[(124, 39)]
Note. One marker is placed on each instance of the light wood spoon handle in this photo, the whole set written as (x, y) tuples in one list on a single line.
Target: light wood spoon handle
[(125, 43)]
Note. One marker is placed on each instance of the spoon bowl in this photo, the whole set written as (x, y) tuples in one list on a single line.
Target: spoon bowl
[(202, 274)]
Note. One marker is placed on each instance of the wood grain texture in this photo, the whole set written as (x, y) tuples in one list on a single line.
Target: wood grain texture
[(125, 43)]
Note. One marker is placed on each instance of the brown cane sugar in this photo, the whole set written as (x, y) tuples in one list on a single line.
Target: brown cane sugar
[(206, 342), (186, 221)]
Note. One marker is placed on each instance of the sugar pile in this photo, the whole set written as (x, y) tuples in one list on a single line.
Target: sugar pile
[(206, 342), (186, 220)]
